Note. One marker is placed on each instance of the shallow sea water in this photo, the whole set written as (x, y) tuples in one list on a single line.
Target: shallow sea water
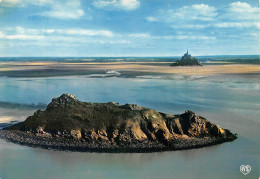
[(233, 102)]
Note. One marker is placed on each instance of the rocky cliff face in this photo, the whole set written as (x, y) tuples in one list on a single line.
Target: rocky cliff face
[(118, 127)]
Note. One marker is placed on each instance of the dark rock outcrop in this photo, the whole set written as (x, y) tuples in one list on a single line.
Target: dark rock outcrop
[(69, 124), (187, 60)]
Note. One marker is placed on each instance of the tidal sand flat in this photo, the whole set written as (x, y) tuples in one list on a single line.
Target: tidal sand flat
[(123, 69)]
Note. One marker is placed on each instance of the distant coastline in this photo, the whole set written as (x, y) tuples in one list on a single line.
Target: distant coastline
[(234, 58)]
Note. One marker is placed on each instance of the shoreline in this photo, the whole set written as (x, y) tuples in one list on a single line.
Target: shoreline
[(66, 144)]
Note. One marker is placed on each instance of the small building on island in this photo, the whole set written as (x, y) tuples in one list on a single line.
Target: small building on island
[(187, 60)]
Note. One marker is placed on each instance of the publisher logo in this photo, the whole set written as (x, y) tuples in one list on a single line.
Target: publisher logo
[(245, 169)]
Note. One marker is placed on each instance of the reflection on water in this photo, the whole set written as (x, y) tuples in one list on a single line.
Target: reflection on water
[(232, 104), (128, 160), (210, 162)]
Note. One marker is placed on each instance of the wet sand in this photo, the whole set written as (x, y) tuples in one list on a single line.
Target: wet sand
[(38, 69)]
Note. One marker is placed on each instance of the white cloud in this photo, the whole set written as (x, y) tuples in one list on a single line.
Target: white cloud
[(103, 4), (239, 15), (64, 10), (151, 19), (195, 17), (20, 36), (236, 15), (139, 35), (191, 26), (200, 12), (242, 11), (24, 37), (1, 34), (20, 30), (237, 25), (186, 37), (21, 33), (104, 33), (242, 7), (42, 2), (257, 24), (8, 3), (199, 37), (24, 3), (127, 5), (64, 14), (203, 12), (219, 25), (50, 31), (230, 25), (118, 42)]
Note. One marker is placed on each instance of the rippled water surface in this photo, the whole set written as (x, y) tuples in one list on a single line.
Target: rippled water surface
[(233, 102)]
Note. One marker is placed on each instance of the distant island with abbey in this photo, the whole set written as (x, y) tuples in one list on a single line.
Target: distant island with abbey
[(187, 60), (73, 125)]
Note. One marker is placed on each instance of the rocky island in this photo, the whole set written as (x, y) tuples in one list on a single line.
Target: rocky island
[(69, 124), (187, 60)]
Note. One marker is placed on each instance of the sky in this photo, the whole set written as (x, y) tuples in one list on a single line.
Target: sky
[(78, 28)]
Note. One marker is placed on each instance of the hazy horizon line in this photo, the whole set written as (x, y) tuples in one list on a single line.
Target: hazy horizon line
[(169, 56)]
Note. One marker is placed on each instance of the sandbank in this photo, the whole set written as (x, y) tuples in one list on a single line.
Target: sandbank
[(53, 68)]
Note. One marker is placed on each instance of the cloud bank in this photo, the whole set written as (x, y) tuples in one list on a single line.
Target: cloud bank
[(127, 5)]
